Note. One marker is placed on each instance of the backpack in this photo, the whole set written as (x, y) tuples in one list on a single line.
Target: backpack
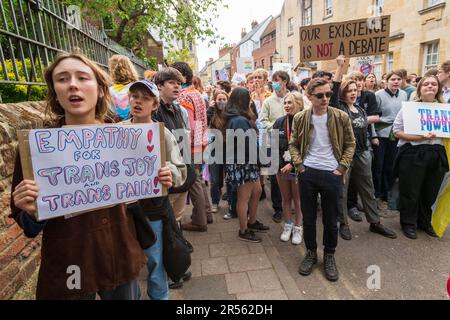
[(190, 180), (176, 249)]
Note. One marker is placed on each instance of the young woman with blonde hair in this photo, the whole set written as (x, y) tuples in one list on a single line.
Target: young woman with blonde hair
[(290, 192)]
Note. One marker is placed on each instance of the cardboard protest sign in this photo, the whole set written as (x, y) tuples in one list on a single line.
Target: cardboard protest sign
[(79, 169), (354, 38), (423, 118), (364, 64)]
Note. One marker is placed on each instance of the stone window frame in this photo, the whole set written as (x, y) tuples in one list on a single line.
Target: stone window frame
[(290, 26), (291, 55), (378, 7), (426, 54), (429, 6), (390, 61), (326, 14), (307, 15)]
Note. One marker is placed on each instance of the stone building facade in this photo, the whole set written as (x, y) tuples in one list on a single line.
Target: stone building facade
[(419, 30)]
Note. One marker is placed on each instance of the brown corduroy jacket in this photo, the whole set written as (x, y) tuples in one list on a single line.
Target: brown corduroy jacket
[(341, 137)]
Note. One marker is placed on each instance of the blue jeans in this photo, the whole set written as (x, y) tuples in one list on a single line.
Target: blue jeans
[(216, 178), (157, 284)]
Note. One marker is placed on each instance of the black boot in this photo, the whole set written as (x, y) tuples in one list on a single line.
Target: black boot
[(331, 271), (308, 262), (344, 232)]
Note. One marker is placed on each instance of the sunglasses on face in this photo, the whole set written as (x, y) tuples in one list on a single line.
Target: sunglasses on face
[(321, 95)]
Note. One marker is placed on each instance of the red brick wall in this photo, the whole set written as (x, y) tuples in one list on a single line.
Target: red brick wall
[(265, 52), (19, 256), (224, 51)]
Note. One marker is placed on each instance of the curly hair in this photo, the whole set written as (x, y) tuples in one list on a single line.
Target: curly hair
[(54, 112), (122, 70)]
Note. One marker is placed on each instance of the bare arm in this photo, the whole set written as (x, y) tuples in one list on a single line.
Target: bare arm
[(373, 119), (413, 137)]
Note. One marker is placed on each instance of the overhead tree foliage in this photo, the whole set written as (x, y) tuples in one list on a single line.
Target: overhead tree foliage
[(179, 55), (130, 20)]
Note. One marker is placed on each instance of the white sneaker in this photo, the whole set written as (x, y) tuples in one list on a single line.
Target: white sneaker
[(286, 234), (297, 235), (214, 208)]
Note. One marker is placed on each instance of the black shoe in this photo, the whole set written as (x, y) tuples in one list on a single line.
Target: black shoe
[(257, 227), (329, 264), (249, 236), (263, 195), (209, 219), (344, 231), (175, 285), (306, 266), (380, 229), (187, 276), (409, 232), (179, 284), (430, 231), (355, 215), (225, 197), (277, 217)]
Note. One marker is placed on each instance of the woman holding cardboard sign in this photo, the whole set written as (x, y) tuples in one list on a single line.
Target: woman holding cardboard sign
[(421, 165), (92, 253)]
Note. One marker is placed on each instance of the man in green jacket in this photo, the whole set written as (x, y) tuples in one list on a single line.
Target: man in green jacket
[(322, 147)]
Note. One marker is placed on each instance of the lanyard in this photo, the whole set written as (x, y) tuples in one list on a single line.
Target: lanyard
[(288, 130)]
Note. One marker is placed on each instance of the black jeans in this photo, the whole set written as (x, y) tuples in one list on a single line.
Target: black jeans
[(383, 165), (329, 185), (275, 194)]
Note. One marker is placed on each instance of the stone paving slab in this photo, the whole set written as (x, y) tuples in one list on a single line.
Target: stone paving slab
[(207, 288), (263, 295), (206, 238), (214, 266), (201, 251), (284, 275), (218, 227), (196, 268), (228, 249), (264, 280), (238, 283), (257, 261)]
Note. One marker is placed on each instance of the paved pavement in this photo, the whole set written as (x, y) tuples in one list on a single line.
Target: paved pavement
[(225, 268)]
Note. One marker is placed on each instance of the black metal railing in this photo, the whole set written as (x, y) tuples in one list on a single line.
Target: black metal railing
[(33, 32)]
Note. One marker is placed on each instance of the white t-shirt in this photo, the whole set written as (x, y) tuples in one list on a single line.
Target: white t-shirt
[(320, 154)]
